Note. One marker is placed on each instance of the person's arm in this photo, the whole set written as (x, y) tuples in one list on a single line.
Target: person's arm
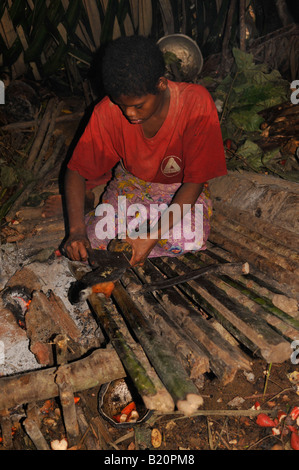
[(188, 193), (77, 241)]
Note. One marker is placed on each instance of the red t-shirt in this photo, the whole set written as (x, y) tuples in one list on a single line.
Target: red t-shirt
[(187, 148)]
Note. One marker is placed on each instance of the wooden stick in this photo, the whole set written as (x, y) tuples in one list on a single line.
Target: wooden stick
[(35, 434), (192, 357), (98, 368), (172, 374), (44, 148), (262, 227), (247, 326), (28, 124), (153, 395), (67, 402), (242, 252), (40, 134), (224, 359)]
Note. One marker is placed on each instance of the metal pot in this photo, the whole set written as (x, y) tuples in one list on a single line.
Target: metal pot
[(189, 61)]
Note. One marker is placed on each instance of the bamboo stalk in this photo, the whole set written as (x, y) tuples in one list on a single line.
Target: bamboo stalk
[(144, 384), (281, 321), (224, 359), (262, 263), (192, 357), (245, 237), (173, 375), (247, 326), (285, 256), (257, 278)]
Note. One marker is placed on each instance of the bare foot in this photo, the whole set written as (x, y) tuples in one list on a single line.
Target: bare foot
[(53, 207)]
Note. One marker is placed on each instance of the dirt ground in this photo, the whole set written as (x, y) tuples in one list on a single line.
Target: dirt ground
[(231, 428)]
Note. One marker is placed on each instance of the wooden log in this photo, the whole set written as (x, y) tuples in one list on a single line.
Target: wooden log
[(259, 279), (154, 395), (6, 425), (192, 357), (253, 243), (262, 263), (67, 402), (32, 427), (172, 374), (224, 359), (257, 292), (100, 367), (245, 325), (267, 229), (42, 130), (148, 385), (36, 123), (283, 321), (284, 255)]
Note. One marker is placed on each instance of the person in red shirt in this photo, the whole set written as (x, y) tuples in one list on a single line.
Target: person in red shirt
[(163, 140)]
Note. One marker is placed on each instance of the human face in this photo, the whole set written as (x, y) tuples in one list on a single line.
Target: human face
[(139, 110)]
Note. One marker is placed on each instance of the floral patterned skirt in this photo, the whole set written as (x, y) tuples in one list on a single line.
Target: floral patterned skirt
[(131, 202)]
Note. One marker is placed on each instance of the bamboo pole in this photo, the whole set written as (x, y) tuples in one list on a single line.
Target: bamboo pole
[(153, 395), (247, 326), (224, 359), (225, 239), (172, 374), (192, 357)]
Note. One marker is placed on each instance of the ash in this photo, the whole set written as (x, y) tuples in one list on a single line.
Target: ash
[(54, 274)]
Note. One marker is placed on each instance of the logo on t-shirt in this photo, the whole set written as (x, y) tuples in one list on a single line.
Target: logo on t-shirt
[(171, 166)]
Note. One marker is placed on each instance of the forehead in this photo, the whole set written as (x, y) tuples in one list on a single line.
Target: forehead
[(124, 100)]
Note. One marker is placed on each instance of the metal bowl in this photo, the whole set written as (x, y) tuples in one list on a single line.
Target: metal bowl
[(114, 396), (187, 52)]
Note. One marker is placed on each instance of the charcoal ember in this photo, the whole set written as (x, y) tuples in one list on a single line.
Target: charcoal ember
[(17, 299)]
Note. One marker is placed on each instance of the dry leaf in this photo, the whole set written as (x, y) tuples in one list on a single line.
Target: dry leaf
[(156, 438)]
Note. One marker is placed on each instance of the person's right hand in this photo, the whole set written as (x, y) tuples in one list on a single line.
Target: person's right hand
[(76, 246)]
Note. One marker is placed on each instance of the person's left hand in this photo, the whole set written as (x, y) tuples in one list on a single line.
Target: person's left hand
[(141, 248)]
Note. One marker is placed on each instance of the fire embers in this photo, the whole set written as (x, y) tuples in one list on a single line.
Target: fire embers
[(17, 299)]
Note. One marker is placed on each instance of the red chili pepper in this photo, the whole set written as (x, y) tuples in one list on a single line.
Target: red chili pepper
[(295, 413), (281, 415), (295, 441), (265, 421), (129, 408), (117, 418)]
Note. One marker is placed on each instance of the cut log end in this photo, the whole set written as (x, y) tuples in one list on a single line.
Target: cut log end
[(161, 401), (190, 405), (245, 268)]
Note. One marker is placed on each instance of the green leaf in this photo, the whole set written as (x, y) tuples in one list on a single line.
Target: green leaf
[(244, 61), (249, 121)]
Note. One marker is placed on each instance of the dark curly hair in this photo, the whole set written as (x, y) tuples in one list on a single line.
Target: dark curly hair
[(132, 66)]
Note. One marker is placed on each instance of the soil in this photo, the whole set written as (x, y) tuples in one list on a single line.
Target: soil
[(232, 429)]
